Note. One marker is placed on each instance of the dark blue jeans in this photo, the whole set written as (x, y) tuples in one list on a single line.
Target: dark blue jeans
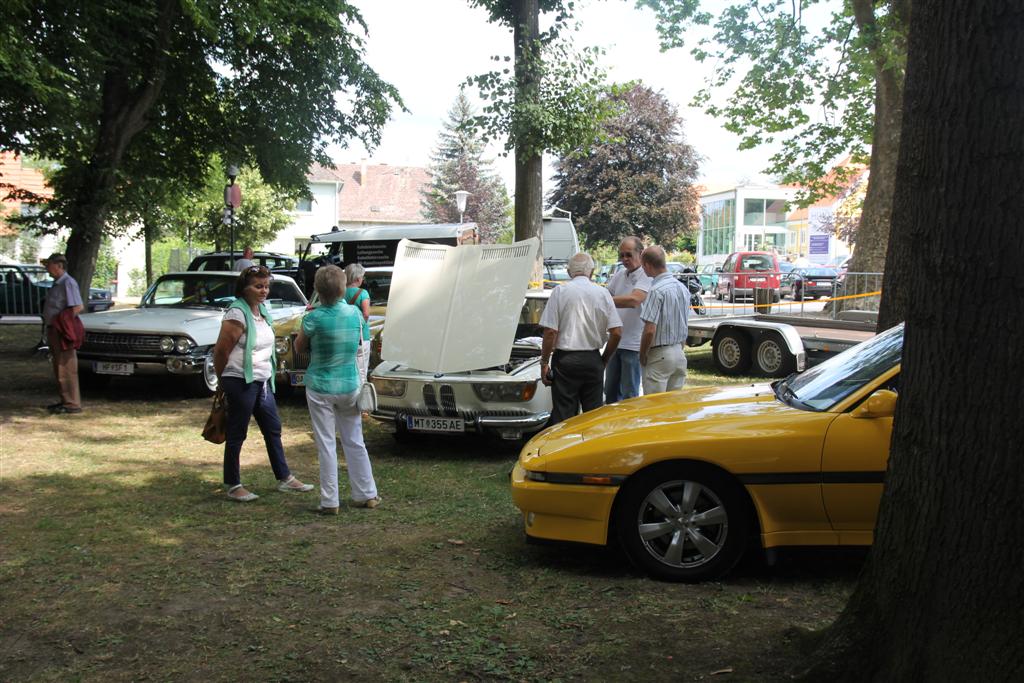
[(247, 400)]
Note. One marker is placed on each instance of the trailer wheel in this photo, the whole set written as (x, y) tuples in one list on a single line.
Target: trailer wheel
[(772, 358), (731, 353)]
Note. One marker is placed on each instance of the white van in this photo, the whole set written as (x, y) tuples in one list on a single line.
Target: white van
[(560, 239)]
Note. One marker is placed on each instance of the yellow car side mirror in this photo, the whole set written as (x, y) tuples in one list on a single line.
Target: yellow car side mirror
[(882, 403)]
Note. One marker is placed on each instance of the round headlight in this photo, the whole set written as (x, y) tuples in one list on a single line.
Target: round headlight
[(182, 345), (282, 344), (166, 344)]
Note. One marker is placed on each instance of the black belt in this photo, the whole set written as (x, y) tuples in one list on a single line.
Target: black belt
[(661, 346)]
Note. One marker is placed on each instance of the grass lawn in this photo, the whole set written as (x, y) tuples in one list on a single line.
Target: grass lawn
[(121, 559)]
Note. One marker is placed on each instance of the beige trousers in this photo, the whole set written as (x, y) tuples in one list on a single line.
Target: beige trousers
[(65, 369)]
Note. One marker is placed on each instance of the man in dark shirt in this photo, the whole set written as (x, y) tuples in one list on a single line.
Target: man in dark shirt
[(64, 294)]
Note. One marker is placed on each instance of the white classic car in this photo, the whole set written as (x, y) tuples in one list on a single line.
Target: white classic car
[(173, 329), (461, 355)]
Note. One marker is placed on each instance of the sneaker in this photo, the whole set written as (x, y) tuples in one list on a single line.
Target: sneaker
[(371, 503), (64, 410), (293, 485)]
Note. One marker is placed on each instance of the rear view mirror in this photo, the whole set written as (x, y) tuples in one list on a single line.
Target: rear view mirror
[(882, 403)]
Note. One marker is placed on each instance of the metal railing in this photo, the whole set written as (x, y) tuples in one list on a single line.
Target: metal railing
[(851, 291)]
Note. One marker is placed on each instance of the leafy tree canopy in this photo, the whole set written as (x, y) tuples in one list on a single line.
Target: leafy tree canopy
[(811, 90), (155, 86), (638, 179), (458, 164)]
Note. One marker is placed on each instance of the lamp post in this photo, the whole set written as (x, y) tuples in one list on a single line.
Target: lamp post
[(460, 202), (232, 199)]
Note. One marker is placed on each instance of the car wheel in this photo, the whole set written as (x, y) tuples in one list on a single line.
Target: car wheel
[(731, 353), (205, 383), (772, 358), (731, 296), (682, 522)]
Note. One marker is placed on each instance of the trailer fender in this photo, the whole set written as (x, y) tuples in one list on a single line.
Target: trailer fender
[(757, 328)]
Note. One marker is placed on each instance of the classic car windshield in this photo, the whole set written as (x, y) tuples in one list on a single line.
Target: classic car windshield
[(827, 384), (216, 291)]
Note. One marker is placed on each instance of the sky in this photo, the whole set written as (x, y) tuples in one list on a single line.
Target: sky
[(427, 48)]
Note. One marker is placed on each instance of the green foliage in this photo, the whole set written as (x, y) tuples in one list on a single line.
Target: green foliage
[(812, 91), (637, 179), (458, 164)]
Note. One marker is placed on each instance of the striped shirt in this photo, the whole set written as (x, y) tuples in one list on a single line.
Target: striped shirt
[(333, 333), (667, 305)]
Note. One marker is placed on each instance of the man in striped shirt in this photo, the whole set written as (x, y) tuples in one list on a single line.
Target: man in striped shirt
[(664, 313)]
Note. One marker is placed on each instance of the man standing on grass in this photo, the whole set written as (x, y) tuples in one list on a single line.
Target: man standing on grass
[(579, 319), (64, 333), (664, 315), (628, 287)]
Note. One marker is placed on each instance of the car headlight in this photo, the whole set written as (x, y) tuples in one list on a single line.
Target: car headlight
[(166, 344), (182, 344), (282, 345), (505, 392), (388, 387)]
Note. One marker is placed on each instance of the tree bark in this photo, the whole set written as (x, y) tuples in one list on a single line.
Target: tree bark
[(873, 232), (942, 594), (529, 198), (123, 115)]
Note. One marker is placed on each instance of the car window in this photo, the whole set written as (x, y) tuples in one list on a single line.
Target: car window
[(757, 262), (191, 290), (558, 272), (36, 274), (819, 272), (827, 384), (378, 286), (283, 294)]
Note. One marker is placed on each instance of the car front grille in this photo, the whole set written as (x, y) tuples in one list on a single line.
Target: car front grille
[(104, 342), (468, 415), (300, 360)]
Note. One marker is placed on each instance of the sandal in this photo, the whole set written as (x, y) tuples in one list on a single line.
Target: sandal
[(245, 498), (370, 504), (293, 485)]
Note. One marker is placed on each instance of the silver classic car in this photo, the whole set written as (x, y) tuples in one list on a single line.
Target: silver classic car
[(173, 330), (461, 345)]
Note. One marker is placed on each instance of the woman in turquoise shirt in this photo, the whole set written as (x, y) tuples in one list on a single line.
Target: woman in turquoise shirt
[(360, 298), (332, 332)]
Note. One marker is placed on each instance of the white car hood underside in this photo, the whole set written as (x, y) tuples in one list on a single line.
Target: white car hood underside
[(453, 309)]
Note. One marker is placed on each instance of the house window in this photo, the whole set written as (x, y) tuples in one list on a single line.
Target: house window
[(304, 206), (719, 227)]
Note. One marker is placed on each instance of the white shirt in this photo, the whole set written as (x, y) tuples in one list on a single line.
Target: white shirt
[(260, 354), (242, 263), (623, 284), (582, 313)]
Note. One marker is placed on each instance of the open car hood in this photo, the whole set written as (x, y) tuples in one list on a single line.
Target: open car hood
[(453, 309)]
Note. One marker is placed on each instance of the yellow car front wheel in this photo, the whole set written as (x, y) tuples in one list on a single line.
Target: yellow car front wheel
[(683, 522)]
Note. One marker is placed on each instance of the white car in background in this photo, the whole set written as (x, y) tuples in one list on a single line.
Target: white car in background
[(173, 330), (462, 342)]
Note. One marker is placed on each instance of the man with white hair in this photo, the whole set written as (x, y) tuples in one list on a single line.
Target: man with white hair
[(579, 319), (628, 287), (664, 315)]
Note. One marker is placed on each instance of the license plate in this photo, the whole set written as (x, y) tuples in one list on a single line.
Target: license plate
[(823, 284), (757, 279), (105, 368), (297, 379), (416, 423)]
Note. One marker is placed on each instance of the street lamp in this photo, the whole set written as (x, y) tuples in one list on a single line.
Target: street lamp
[(460, 202), (232, 199)]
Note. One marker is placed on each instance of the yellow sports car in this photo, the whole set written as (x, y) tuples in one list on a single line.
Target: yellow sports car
[(687, 480)]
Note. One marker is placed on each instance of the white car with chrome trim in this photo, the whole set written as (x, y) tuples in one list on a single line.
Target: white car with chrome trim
[(461, 355), (173, 329)]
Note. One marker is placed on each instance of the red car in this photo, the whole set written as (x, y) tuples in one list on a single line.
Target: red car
[(745, 271)]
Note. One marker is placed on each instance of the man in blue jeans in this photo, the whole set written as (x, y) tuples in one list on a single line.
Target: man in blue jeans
[(628, 287)]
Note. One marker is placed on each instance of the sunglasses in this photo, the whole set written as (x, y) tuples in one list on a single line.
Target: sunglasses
[(261, 270)]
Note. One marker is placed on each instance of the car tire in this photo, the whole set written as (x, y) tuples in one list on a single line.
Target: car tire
[(772, 357), (798, 294), (205, 383), (682, 522), (731, 296), (731, 352)]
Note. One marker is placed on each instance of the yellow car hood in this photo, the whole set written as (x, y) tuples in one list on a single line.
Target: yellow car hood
[(704, 423)]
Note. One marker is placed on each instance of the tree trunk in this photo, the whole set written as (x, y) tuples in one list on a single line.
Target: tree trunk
[(942, 594), (529, 199), (148, 232), (873, 231)]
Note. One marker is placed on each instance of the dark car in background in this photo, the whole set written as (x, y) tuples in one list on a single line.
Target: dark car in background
[(808, 282), (225, 261), (23, 289)]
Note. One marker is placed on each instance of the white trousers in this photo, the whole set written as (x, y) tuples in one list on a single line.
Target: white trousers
[(340, 411), (363, 359), (665, 369)]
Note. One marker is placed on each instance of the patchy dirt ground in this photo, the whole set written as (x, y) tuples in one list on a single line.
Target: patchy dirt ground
[(120, 559)]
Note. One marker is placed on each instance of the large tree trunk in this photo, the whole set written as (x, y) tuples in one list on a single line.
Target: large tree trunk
[(872, 235), (942, 594), (529, 181)]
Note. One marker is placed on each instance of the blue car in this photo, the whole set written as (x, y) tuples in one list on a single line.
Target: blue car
[(23, 291)]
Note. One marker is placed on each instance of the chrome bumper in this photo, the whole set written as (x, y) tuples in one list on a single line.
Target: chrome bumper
[(507, 426)]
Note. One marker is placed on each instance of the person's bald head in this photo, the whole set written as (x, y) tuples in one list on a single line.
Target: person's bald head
[(654, 258)]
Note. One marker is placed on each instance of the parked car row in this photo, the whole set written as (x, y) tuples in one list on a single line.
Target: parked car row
[(23, 289)]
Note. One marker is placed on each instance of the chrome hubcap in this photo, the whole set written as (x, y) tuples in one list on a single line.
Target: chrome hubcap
[(682, 524)]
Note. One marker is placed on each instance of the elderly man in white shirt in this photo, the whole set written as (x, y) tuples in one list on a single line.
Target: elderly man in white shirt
[(579, 320)]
